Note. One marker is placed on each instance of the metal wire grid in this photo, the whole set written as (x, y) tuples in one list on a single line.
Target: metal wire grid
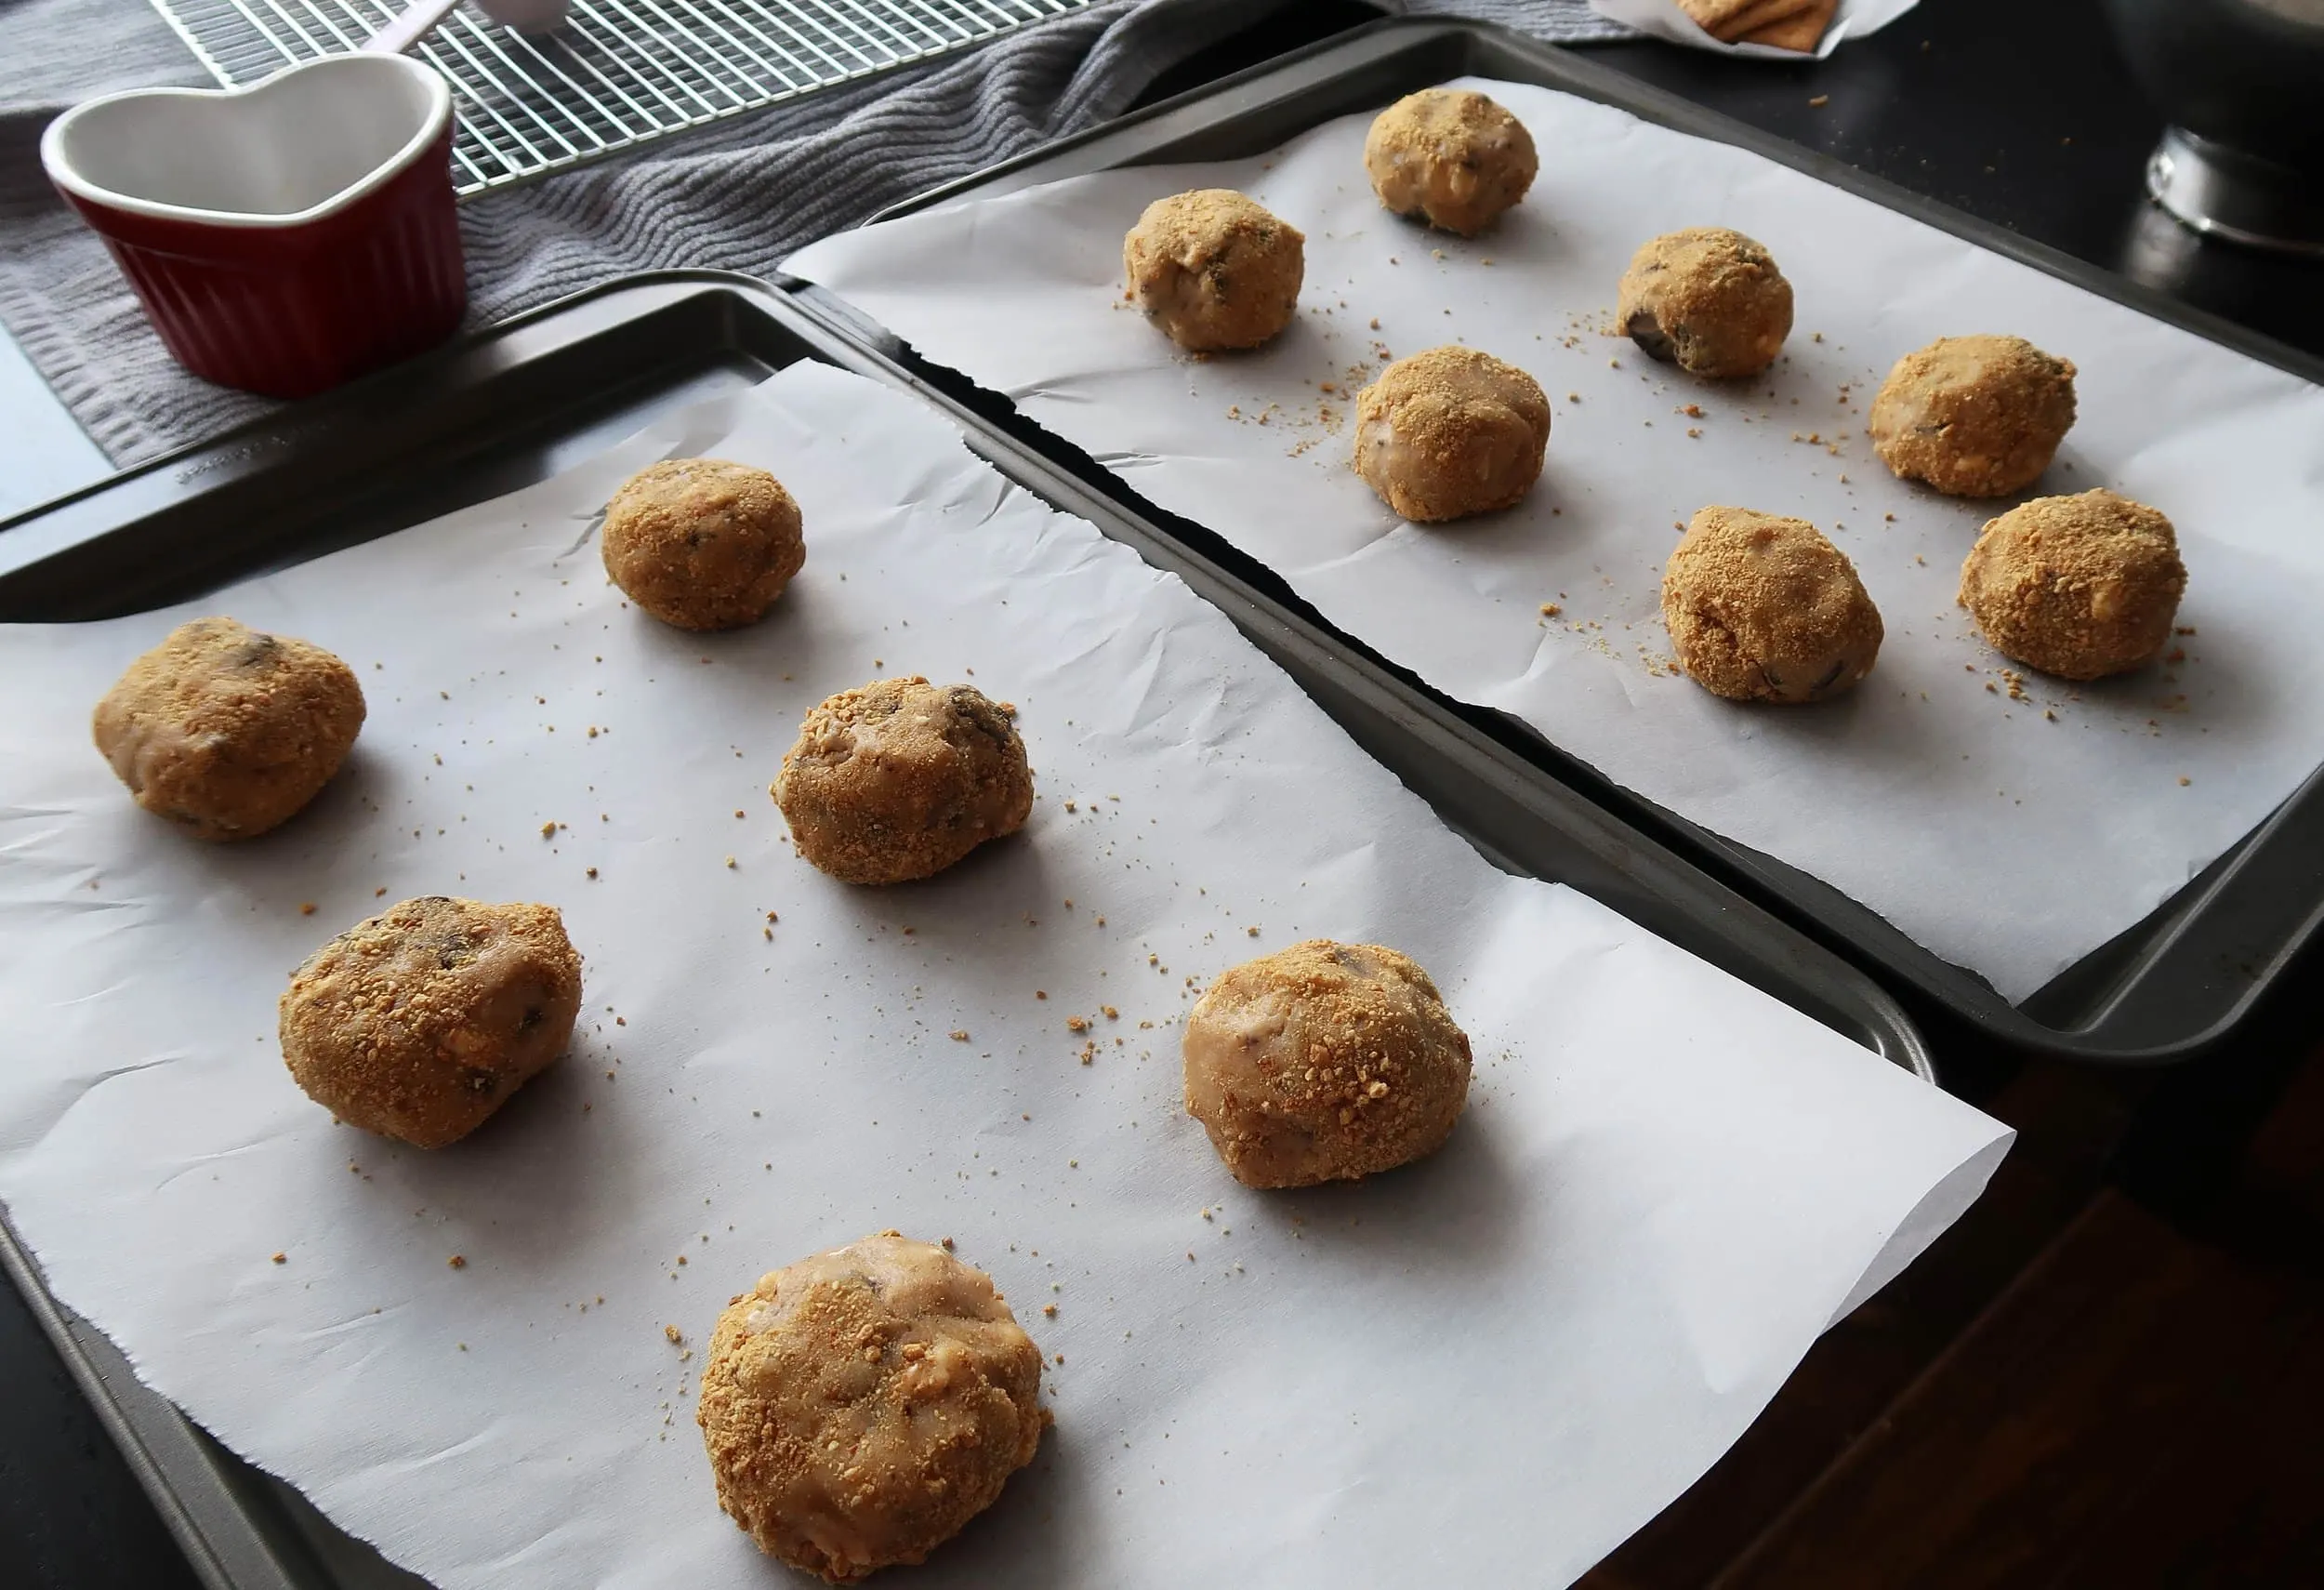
[(618, 74)]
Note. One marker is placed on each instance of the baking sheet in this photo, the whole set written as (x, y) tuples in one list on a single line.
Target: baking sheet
[(2009, 828), (1667, 1184)]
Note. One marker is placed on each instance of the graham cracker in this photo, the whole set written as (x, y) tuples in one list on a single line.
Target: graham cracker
[(1802, 30), (1713, 16)]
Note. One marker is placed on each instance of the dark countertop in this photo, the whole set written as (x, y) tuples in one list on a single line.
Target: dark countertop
[(2145, 1189)]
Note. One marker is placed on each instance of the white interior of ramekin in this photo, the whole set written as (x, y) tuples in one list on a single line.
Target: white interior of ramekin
[(306, 142)]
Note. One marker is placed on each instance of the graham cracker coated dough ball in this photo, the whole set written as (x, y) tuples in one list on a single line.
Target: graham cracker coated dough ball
[(1973, 415), (1324, 1062), (2081, 586), (1449, 432), (228, 731), (421, 1021), (863, 1405), (1766, 609), (703, 544), (901, 778), (1709, 299), (1449, 156), (1214, 269)]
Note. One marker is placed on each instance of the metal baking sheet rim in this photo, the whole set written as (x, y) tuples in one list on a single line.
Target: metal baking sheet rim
[(2140, 978), (242, 1530)]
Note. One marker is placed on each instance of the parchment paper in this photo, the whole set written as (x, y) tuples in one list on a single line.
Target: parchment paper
[(2011, 836), (1852, 19), (1501, 1361)]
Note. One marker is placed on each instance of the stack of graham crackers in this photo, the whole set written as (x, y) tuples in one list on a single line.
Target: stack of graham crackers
[(1785, 24)]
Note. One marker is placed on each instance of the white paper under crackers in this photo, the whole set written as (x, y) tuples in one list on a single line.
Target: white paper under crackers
[(1664, 20)]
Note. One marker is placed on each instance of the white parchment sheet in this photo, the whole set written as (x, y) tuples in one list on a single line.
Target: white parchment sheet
[(2011, 836), (1500, 1362)]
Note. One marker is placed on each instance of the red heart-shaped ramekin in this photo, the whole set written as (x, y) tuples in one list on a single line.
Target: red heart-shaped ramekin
[(282, 237)]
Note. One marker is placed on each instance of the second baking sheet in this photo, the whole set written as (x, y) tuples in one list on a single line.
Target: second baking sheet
[(2010, 828)]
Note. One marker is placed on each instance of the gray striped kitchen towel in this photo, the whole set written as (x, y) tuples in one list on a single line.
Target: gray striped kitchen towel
[(737, 196)]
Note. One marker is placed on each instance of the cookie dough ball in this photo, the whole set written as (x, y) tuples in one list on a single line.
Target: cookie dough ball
[(1451, 431), (703, 544), (2081, 586), (228, 731), (422, 1021), (1449, 156), (1324, 1062), (1214, 269), (1766, 609), (861, 1406), (1973, 415), (1708, 299), (901, 778)]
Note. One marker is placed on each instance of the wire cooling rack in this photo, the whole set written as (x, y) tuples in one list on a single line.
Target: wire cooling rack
[(618, 73)]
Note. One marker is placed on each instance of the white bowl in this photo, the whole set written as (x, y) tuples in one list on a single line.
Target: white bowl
[(312, 139)]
